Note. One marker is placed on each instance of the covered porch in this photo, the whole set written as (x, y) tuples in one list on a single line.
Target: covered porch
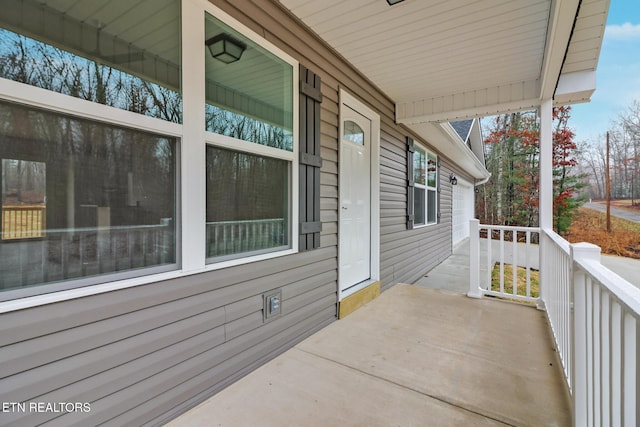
[(414, 356), (426, 354)]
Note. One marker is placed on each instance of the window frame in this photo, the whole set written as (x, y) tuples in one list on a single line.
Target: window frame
[(32, 96), (234, 144), (426, 187), (191, 140)]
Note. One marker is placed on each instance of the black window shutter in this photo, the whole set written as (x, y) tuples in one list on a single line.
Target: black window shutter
[(310, 160), (410, 183)]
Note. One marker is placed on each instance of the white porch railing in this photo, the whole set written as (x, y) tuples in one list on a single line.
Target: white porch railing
[(555, 258), (230, 237), (594, 315), (503, 246), (606, 332), (61, 254)]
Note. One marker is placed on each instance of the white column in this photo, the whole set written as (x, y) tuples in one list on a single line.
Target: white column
[(546, 164), (192, 144), (545, 194), (474, 260)]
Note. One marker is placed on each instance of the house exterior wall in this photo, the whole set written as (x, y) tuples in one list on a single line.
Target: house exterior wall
[(146, 353)]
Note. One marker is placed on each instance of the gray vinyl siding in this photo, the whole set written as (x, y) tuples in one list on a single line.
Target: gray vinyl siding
[(407, 255), (145, 354)]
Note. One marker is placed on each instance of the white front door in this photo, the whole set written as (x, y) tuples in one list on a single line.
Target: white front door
[(355, 199)]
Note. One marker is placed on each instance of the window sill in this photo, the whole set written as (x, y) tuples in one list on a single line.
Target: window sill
[(424, 225), (90, 290), (246, 260)]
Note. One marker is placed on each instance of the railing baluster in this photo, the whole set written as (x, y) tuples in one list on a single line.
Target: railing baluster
[(514, 264), (230, 237), (597, 363), (630, 374), (489, 257), (502, 261), (616, 364), (589, 306), (527, 262), (580, 386), (605, 339)]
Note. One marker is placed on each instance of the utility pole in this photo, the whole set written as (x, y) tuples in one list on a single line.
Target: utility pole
[(608, 188), (635, 171)]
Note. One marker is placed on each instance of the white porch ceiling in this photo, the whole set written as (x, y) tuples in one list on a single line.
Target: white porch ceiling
[(451, 59)]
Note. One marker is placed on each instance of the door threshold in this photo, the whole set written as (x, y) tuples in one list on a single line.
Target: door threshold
[(367, 291)]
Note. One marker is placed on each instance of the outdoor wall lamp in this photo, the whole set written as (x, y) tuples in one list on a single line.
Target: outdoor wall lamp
[(225, 48), (453, 180)]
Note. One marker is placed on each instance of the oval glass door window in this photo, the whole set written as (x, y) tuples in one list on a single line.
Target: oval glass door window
[(353, 132)]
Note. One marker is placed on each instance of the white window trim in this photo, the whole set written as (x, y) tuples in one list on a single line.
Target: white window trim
[(190, 209), (427, 187), (234, 144), (55, 102)]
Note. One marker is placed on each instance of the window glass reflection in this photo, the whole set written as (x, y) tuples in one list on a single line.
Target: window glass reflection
[(93, 199), (353, 132), (249, 98), (125, 54), (247, 203)]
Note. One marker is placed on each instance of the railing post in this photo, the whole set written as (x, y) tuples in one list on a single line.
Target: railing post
[(544, 269), (581, 315), (474, 259)]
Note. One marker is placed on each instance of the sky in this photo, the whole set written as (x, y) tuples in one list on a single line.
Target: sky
[(617, 76)]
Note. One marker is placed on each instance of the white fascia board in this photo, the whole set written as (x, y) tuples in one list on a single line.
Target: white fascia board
[(466, 157), (561, 21), (444, 139), (575, 87), (490, 101), (476, 141)]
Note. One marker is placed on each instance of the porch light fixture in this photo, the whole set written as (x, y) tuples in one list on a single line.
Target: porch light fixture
[(453, 180), (392, 2), (225, 48)]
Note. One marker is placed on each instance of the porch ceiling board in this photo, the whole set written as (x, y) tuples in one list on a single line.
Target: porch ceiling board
[(449, 59), (114, 17), (584, 50)]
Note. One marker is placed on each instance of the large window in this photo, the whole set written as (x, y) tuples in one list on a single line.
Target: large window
[(250, 98), (81, 199), (125, 54), (249, 159), (92, 140), (425, 169), (86, 195), (247, 203)]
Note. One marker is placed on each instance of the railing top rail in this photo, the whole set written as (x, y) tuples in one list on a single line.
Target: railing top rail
[(50, 231), (558, 240), (246, 221), (624, 291), (24, 208), (509, 228)]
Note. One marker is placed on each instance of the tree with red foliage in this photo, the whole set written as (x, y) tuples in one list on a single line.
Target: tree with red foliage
[(566, 183), (511, 195)]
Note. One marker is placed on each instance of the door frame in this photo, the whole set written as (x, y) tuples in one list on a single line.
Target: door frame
[(349, 101)]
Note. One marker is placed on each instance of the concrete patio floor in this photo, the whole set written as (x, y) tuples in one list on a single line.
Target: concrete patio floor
[(412, 357)]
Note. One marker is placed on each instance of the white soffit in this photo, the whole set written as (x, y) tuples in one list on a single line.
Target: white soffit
[(451, 59)]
